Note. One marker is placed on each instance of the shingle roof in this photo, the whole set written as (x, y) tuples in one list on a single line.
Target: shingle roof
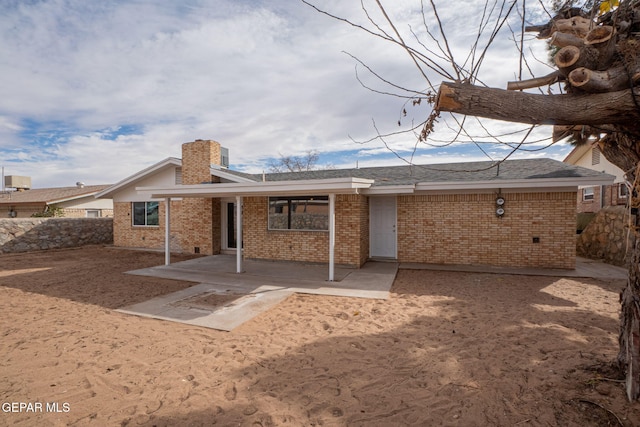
[(451, 172), (50, 195)]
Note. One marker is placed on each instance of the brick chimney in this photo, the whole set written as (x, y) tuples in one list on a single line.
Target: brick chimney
[(197, 157), (201, 217)]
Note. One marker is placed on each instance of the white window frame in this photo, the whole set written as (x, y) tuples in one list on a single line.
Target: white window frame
[(146, 216), (290, 199), (626, 190), (588, 194)]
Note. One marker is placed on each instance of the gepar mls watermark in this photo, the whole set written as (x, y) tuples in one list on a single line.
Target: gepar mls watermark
[(36, 407)]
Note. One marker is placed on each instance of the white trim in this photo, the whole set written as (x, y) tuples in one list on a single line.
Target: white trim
[(332, 235), (68, 199), (516, 183), (108, 192), (390, 190), (167, 231), (271, 188), (239, 234), (216, 170)]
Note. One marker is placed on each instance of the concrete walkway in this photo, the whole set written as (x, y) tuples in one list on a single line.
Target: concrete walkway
[(266, 283), (587, 268)]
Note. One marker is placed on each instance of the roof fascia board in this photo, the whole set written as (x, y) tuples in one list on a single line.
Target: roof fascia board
[(216, 171), (302, 187), (517, 183), (106, 193), (68, 199), (502, 190), (389, 189), (577, 153)]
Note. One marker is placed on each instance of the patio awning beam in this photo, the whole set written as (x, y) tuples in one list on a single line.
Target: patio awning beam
[(269, 188)]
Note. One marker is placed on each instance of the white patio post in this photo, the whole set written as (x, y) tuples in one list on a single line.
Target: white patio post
[(167, 231), (238, 234), (332, 234)]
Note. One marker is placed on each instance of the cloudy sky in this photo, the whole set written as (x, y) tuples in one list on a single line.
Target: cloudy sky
[(94, 91)]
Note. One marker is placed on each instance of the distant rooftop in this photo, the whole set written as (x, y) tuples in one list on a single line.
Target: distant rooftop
[(49, 195)]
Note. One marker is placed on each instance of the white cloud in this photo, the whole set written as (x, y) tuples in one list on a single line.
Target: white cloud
[(261, 77)]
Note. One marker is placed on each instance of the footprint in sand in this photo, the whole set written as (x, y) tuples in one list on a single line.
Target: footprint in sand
[(230, 391)]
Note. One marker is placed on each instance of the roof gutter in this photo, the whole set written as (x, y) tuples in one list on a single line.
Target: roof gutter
[(551, 183)]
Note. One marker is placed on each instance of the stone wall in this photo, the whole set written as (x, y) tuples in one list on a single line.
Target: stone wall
[(606, 237), (33, 234)]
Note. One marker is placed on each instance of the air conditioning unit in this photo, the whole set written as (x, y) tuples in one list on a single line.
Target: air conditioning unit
[(224, 157), (17, 182)]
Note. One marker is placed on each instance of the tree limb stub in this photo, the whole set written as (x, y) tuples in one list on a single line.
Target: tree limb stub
[(536, 82), (521, 107), (611, 80), (565, 39)]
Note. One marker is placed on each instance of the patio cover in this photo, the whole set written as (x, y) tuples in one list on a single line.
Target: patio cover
[(330, 187)]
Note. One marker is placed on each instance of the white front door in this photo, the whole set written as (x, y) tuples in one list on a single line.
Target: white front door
[(382, 222)]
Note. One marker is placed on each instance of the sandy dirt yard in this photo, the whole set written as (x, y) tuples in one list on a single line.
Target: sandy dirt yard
[(448, 348)]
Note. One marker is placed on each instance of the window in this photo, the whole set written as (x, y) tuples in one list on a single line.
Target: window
[(587, 193), (299, 213), (145, 213), (92, 213), (622, 191)]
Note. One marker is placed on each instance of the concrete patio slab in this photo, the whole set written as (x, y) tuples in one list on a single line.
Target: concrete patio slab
[(262, 285), (373, 280)]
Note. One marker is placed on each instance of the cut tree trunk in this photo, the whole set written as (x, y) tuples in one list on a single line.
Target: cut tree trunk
[(615, 108), (571, 57), (565, 39), (611, 80)]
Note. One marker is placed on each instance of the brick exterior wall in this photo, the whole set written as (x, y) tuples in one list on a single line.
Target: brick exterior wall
[(464, 229), (352, 234), (152, 237), (195, 223), (611, 198), (439, 229), (82, 213)]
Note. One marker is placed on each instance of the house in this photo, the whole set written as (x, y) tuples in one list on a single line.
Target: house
[(74, 202), (519, 213), (592, 198)]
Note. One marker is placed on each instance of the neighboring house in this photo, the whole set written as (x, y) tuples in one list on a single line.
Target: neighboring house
[(74, 202), (592, 198), (521, 213)]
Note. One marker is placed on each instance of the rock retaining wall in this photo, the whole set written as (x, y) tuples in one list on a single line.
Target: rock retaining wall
[(34, 234), (606, 237)]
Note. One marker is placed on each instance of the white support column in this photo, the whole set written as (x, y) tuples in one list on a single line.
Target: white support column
[(238, 234), (332, 235), (167, 231)]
